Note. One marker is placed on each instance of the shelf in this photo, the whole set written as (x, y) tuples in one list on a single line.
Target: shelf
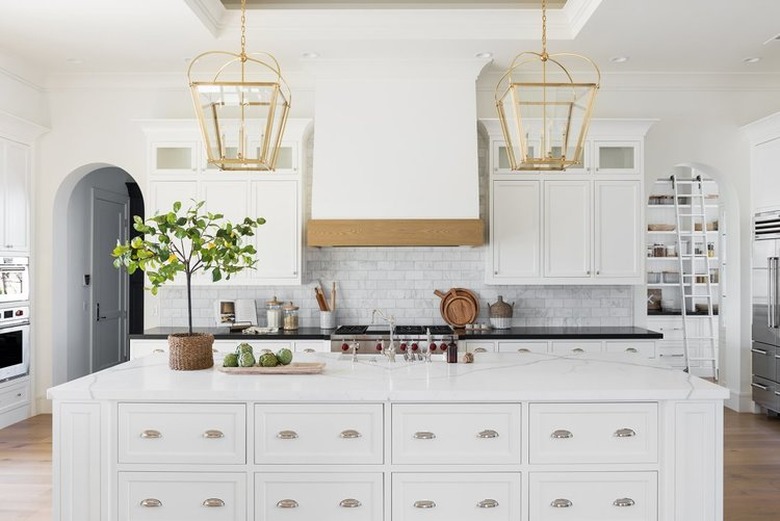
[(685, 257), (674, 232), (671, 206), (677, 284)]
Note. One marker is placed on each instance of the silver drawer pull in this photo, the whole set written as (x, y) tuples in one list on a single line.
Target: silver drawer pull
[(623, 502), (151, 434), (759, 386), (287, 435), (488, 503), (423, 435), (424, 503), (487, 433), (480, 350), (213, 434), (158, 351), (578, 350), (561, 434), (287, 503), (309, 350), (759, 351), (213, 502), (631, 350), (561, 503), (151, 502), (624, 433), (350, 434), (350, 503)]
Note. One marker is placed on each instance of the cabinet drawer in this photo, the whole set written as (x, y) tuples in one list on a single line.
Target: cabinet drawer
[(193, 496), (593, 433), (319, 434), (672, 353), (493, 496), (182, 433), (642, 349), (312, 346), (320, 496), (479, 346), (572, 348), (14, 396), (456, 433), (764, 361), (522, 347), (602, 496)]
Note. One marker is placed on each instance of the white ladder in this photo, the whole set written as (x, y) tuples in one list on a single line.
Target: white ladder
[(693, 254)]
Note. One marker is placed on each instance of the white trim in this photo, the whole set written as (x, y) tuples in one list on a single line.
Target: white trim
[(19, 129), (762, 130), (210, 12)]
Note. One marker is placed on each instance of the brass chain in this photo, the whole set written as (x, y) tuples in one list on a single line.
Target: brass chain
[(544, 27), (243, 28)]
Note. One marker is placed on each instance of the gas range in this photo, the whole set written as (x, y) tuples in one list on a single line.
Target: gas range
[(371, 339)]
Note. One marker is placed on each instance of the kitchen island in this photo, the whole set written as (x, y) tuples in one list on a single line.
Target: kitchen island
[(515, 436)]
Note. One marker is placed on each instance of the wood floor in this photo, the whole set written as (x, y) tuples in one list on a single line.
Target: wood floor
[(752, 469)]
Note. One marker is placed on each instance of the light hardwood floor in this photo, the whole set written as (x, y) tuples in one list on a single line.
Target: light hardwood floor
[(752, 469)]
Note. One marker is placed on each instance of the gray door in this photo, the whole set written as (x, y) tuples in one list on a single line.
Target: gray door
[(109, 285)]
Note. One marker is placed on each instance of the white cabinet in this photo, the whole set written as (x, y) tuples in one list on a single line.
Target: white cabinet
[(183, 157), (515, 231), (617, 157), (278, 241), (14, 401), (146, 346), (567, 229), (641, 348), (15, 197), (618, 229)]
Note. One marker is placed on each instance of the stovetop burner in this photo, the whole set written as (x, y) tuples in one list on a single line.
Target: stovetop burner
[(352, 330)]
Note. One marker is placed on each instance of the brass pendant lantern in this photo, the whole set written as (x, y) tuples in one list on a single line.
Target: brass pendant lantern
[(242, 103), (544, 113)]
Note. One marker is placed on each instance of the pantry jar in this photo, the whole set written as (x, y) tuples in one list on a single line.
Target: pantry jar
[(273, 313), (290, 320)]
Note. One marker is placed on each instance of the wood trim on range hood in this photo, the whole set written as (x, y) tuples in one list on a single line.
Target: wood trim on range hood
[(395, 232)]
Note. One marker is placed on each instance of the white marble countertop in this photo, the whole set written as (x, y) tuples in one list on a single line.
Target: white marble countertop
[(492, 377)]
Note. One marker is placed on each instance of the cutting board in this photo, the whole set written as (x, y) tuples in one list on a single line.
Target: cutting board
[(459, 306), (293, 368)]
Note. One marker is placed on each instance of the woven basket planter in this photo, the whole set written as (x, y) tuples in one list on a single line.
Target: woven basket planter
[(190, 352)]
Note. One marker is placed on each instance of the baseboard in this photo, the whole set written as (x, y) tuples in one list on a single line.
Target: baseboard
[(741, 402), (14, 415)]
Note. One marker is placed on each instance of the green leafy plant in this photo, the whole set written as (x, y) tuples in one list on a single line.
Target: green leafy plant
[(187, 242)]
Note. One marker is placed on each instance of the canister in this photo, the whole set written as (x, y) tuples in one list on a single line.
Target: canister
[(290, 320), (273, 313)]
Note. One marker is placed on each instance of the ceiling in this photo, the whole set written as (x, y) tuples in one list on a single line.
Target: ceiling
[(54, 37)]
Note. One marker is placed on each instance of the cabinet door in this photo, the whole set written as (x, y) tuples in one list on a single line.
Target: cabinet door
[(16, 197), (618, 229), (617, 157), (231, 199), (515, 227), (164, 193), (278, 241), (500, 161), (567, 228), (175, 157)]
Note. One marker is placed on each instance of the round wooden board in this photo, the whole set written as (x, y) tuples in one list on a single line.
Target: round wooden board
[(459, 310)]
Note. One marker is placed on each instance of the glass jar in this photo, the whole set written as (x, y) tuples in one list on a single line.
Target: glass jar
[(659, 250), (290, 320), (273, 313)]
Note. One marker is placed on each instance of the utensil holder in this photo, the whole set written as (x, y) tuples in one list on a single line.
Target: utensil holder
[(327, 320)]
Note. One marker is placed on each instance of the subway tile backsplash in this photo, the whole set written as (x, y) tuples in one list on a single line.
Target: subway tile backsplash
[(401, 281)]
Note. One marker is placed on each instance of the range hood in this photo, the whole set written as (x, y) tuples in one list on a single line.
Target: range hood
[(395, 155)]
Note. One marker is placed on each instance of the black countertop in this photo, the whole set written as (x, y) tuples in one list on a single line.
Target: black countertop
[(515, 333)]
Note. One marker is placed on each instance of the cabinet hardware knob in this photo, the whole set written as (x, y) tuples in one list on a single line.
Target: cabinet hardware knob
[(423, 435), (623, 502), (287, 435), (350, 434), (561, 434), (631, 350), (424, 503), (350, 503), (587, 272), (213, 502), (287, 503), (561, 503), (309, 350), (480, 350), (487, 433), (158, 351), (488, 503), (213, 434), (151, 434), (598, 272), (151, 503), (578, 350), (18, 395), (624, 433)]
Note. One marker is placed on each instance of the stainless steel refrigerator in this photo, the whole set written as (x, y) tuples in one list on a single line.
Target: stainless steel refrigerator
[(766, 310)]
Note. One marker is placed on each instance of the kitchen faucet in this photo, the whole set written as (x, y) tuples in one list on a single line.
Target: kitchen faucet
[(388, 351)]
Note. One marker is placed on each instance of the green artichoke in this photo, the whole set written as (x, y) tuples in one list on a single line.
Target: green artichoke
[(268, 360), (284, 356)]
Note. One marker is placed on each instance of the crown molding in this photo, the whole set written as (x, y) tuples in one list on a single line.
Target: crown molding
[(211, 13), (578, 12), (762, 130), (19, 129)]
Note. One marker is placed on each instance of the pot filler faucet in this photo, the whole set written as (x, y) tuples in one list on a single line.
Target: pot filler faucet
[(388, 351)]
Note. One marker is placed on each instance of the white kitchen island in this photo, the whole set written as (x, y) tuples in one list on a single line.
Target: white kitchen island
[(519, 436)]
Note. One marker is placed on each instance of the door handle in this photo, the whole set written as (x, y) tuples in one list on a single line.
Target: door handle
[(771, 308), (98, 313)]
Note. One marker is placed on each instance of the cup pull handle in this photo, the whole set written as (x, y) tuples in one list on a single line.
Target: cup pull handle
[(623, 502), (561, 503), (158, 350), (578, 350), (287, 503), (213, 434), (350, 434), (523, 350), (350, 503), (151, 502), (287, 435), (213, 502), (624, 433), (309, 350), (561, 434), (480, 350), (487, 433), (488, 503), (424, 503), (423, 435), (631, 350), (151, 434)]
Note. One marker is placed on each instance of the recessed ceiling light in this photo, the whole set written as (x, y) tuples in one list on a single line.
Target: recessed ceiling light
[(484, 55), (619, 59), (751, 59), (74, 61), (310, 55)]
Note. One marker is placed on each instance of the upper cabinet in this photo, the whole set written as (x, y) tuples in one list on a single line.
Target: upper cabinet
[(580, 226), (15, 197), (179, 171), (764, 138)]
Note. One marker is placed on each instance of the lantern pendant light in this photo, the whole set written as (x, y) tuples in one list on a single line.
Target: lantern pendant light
[(544, 113), (242, 103)]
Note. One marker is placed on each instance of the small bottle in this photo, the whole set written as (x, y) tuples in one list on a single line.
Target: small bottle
[(290, 320), (452, 353), (710, 249)]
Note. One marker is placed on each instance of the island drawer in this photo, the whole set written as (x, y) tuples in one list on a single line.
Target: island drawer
[(643, 349), (325, 496), (519, 346), (456, 433), (194, 496), (593, 433), (606, 496), (319, 433), (493, 496), (573, 348), (182, 433)]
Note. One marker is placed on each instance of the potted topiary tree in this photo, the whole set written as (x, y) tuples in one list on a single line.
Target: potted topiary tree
[(188, 242)]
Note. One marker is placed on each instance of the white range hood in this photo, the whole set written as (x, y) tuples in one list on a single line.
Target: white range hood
[(395, 155)]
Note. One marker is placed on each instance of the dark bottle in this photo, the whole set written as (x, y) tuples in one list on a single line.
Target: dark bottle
[(452, 353)]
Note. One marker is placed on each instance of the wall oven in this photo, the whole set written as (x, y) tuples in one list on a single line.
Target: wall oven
[(14, 342), (14, 279)]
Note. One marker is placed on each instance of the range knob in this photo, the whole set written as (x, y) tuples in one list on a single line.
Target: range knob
[(402, 347), (432, 347), (345, 347), (415, 347), (443, 346), (379, 346)]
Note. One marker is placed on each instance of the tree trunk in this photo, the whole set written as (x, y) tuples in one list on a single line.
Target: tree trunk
[(189, 300)]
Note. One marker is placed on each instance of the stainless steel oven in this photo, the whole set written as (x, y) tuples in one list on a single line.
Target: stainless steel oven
[(14, 279), (14, 342)]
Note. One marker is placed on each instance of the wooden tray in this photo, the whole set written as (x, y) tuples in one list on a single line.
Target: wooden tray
[(293, 368), (458, 306)]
